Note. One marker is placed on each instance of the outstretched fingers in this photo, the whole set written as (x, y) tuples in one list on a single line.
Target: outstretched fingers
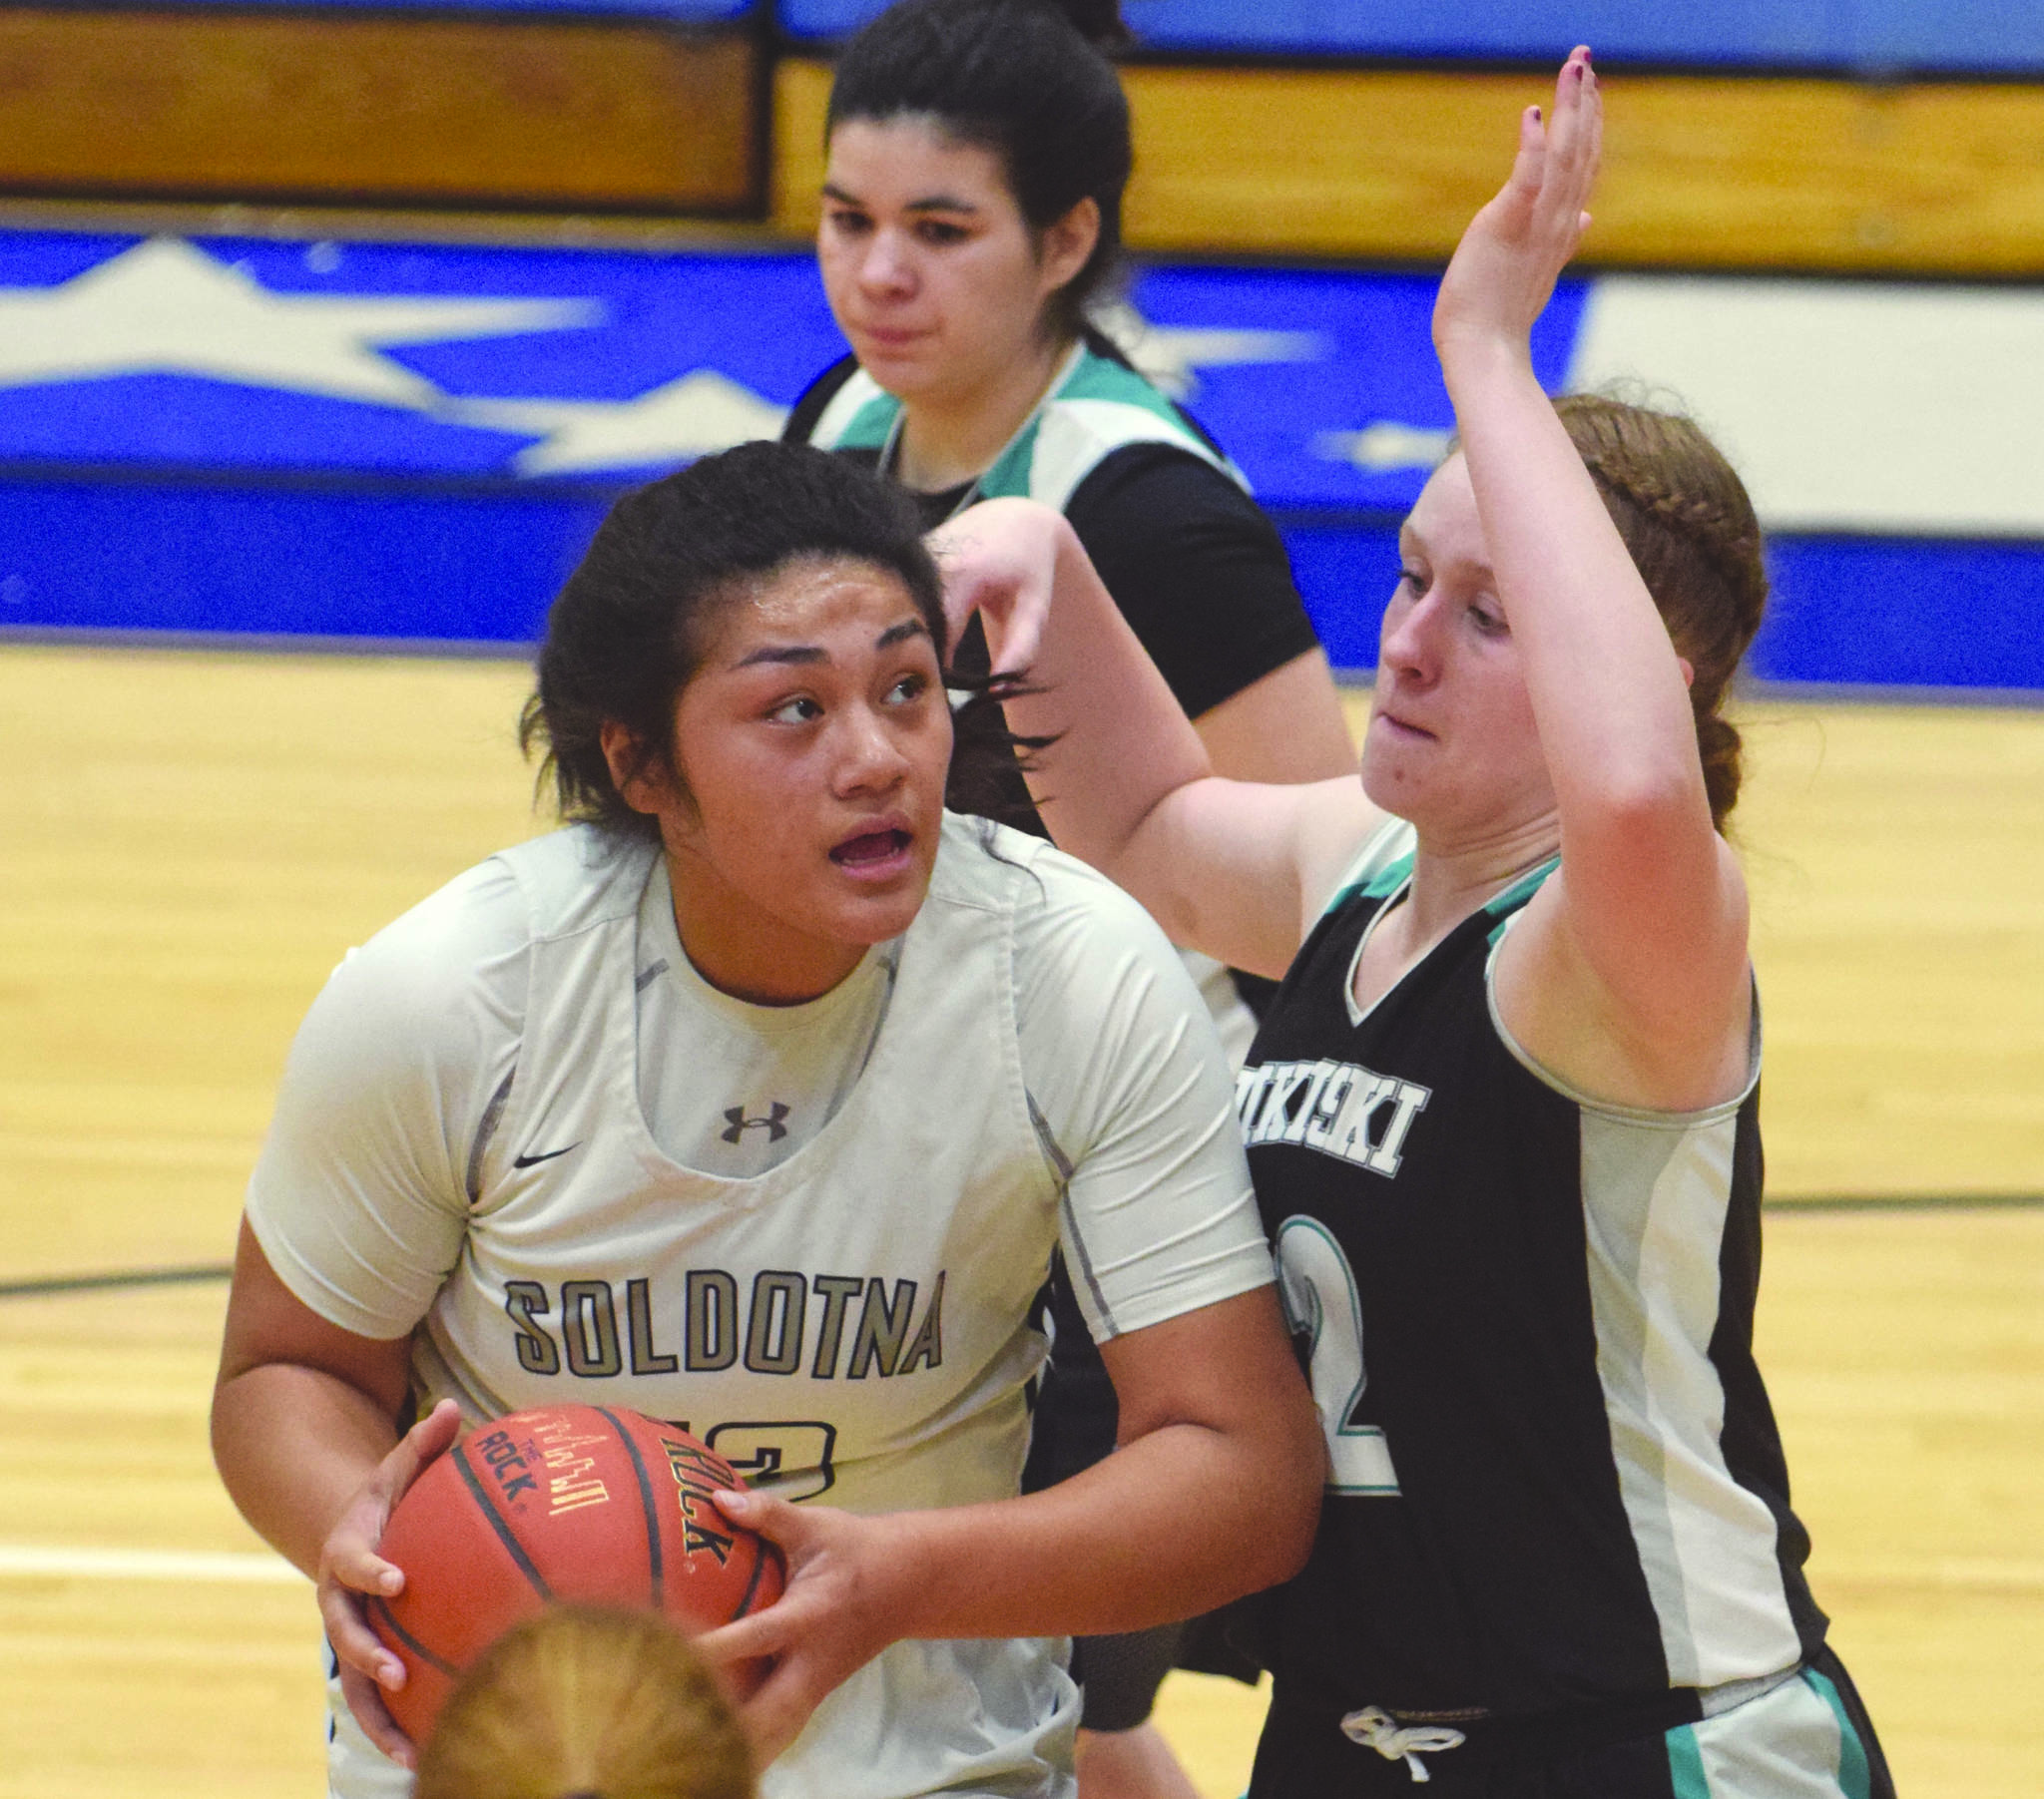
[(1575, 139), (1504, 270)]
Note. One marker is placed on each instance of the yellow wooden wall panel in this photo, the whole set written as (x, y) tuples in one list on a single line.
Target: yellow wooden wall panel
[(801, 94), (1728, 173), (418, 110)]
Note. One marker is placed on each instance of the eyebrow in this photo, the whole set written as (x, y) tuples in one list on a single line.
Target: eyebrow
[(934, 203), (803, 653)]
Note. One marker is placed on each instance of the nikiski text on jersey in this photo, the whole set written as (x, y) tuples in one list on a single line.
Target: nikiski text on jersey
[(1338, 1108)]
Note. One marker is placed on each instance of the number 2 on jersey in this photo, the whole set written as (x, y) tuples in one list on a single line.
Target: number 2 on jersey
[(1321, 1303)]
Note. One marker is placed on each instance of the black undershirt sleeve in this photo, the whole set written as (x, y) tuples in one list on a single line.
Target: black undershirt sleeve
[(1196, 568), (809, 408)]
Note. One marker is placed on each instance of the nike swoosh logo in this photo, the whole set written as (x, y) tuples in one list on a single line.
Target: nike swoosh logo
[(527, 1161)]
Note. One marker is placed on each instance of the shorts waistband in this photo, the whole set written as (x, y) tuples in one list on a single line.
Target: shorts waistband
[(1540, 1736)]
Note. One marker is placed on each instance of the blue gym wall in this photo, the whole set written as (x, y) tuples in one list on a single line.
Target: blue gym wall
[(376, 442)]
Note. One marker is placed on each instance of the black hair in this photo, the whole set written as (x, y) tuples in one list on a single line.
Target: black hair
[(629, 630), (1025, 79)]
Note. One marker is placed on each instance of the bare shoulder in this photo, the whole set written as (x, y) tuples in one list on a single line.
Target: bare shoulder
[(1668, 1031)]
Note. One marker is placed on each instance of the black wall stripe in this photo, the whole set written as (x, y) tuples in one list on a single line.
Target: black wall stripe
[(655, 1560), (505, 1535), (411, 1642)]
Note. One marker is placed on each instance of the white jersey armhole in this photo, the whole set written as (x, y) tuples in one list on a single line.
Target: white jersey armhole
[(1609, 1108)]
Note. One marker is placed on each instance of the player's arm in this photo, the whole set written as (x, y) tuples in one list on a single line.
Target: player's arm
[(1236, 869), (355, 1209), (1284, 726), (305, 1438), (1641, 940), (1199, 573), (303, 1411), (1215, 1486), (1213, 1494)]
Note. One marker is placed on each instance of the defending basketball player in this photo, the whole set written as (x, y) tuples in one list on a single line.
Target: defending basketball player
[(1502, 1115), (757, 1100)]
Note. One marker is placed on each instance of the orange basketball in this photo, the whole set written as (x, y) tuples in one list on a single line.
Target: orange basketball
[(587, 1503)]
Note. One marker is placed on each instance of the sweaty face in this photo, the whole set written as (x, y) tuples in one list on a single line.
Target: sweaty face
[(812, 744), (1452, 743), (932, 272)]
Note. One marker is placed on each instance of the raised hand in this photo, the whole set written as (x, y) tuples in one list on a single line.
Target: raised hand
[(349, 1566), (1504, 270)]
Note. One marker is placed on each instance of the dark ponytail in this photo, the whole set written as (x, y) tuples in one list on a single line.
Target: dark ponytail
[(1025, 79)]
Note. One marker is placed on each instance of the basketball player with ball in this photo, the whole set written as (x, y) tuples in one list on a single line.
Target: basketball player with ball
[(755, 1100)]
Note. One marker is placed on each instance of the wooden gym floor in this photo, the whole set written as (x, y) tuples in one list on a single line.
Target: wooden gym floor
[(188, 841)]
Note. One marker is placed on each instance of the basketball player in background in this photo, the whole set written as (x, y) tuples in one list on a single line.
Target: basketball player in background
[(978, 154), (757, 1099), (1503, 1113)]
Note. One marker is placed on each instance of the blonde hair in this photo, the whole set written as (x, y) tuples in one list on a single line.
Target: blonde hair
[(585, 1702)]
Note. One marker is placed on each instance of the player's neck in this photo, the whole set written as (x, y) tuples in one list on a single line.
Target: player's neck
[(1450, 881), (952, 437)]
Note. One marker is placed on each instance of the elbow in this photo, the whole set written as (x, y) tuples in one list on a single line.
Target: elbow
[(1290, 1490), (1639, 821), (1306, 1482), (1649, 802)]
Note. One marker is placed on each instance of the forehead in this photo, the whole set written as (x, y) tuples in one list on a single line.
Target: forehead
[(909, 157), (809, 601), (1445, 517)]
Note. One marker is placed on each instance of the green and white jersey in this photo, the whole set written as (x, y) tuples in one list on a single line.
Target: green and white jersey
[(1096, 407)]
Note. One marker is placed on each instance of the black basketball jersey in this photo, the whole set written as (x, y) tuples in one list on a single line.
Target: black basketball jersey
[(1556, 1478)]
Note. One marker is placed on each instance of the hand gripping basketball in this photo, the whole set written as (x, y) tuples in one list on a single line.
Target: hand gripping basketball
[(589, 1504), (847, 1599), (349, 1566)]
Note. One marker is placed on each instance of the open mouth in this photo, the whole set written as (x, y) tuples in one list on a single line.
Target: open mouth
[(871, 848)]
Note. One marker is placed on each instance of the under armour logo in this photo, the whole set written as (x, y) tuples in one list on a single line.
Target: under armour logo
[(736, 1123)]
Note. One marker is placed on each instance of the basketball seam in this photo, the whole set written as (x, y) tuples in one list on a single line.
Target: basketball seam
[(411, 1642), (505, 1535), (654, 1554), (760, 1547)]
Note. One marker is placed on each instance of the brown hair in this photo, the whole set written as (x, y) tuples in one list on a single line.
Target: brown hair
[(1686, 518), (1025, 79), (592, 1702)]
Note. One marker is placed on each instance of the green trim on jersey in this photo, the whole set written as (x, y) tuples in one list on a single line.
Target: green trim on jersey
[(1098, 406), (1387, 881), (1686, 1772), (1853, 1774), (1500, 905)]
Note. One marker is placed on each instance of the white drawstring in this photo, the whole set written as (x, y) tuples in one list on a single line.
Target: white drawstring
[(1375, 1728)]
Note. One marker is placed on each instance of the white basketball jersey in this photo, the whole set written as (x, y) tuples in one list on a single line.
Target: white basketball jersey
[(460, 1151), (850, 1325)]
